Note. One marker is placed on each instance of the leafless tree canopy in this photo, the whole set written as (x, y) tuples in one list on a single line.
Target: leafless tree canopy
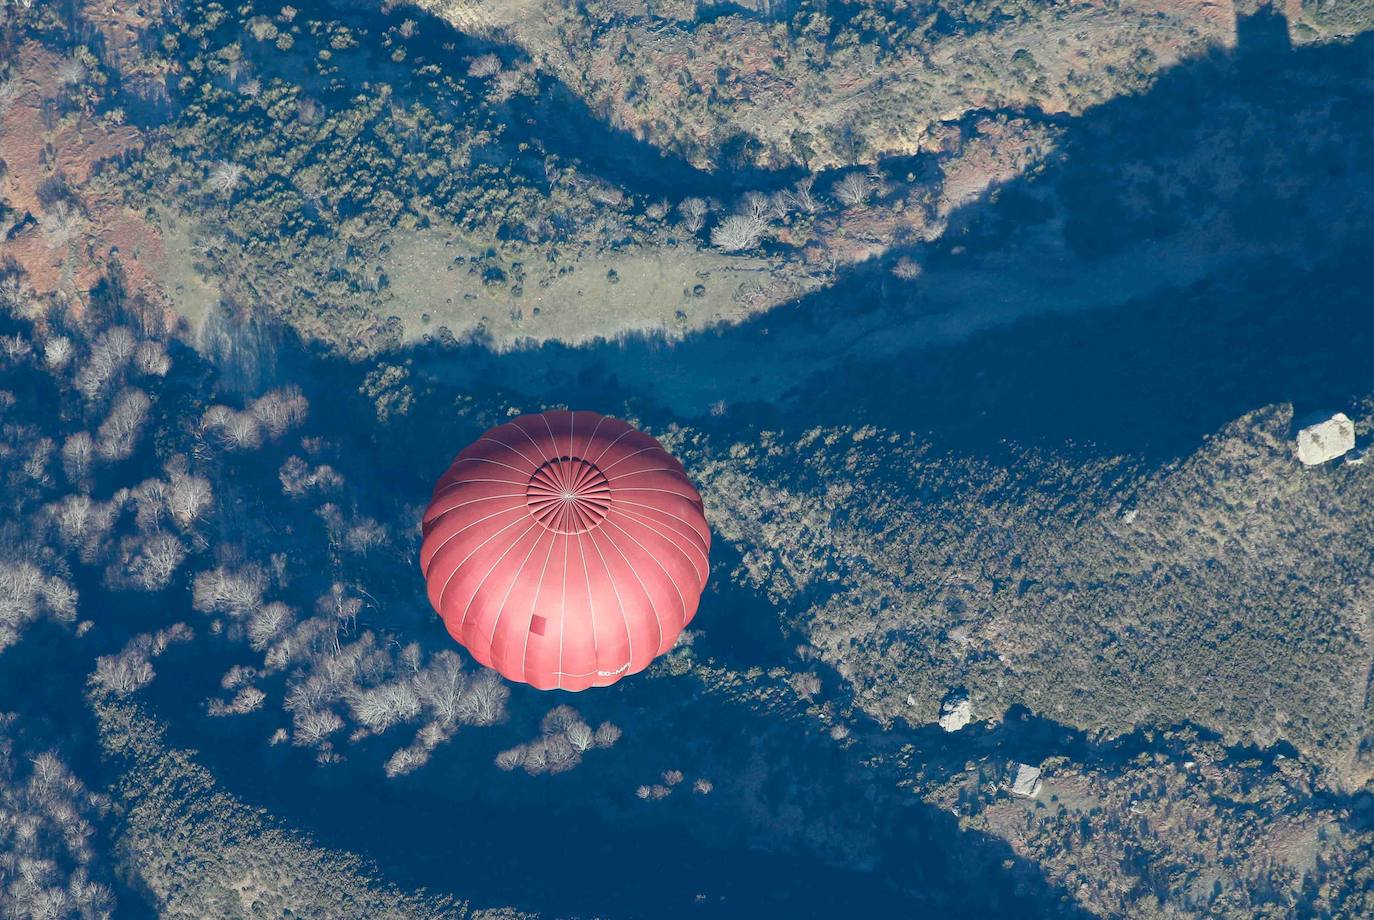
[(852, 189), (738, 232), (26, 593), (109, 356), (483, 66), (225, 177), (907, 269), (118, 434), (78, 451), (57, 352), (237, 592), (693, 212), (47, 837)]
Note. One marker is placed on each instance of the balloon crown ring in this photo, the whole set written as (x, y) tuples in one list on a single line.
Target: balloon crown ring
[(569, 495)]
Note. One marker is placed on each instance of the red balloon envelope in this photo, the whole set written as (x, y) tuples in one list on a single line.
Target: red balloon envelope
[(565, 550)]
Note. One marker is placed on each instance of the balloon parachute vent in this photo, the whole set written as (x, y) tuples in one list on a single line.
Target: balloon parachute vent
[(569, 495)]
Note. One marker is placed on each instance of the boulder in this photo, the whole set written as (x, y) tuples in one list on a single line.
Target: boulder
[(1326, 440), (956, 713), (1027, 783)]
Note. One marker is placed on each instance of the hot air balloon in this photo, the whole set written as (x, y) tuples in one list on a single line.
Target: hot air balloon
[(566, 550)]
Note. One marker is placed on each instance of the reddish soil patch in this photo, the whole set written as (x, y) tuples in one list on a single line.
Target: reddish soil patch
[(39, 147), (123, 26)]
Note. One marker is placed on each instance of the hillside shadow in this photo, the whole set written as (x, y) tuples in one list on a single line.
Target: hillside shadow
[(1213, 234), (1287, 322)]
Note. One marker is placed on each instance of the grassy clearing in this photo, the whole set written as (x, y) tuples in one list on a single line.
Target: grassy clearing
[(193, 295), (511, 293)]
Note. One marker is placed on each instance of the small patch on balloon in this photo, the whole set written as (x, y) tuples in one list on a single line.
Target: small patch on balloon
[(537, 624)]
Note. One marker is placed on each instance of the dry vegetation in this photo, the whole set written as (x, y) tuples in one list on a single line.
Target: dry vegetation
[(200, 852), (828, 87), (1229, 591), (63, 226), (50, 863), (1194, 832)]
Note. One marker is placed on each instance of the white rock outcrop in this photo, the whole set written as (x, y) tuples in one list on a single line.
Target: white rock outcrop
[(1027, 783), (955, 714), (1326, 440)]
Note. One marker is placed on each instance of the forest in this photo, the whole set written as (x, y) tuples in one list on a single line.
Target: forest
[(265, 269)]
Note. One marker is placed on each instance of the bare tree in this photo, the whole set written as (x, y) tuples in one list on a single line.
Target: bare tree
[(72, 71), (225, 177), (117, 435), (20, 599), (281, 409), (806, 685), (36, 464), (365, 535), (580, 736), (150, 503), (315, 726), (15, 349), (559, 755), (188, 497), (756, 205), (907, 269), (83, 524), (405, 760), (78, 451), (442, 685), (607, 734), (557, 719), (151, 358), (157, 561), (803, 197), (297, 478), (60, 599), (341, 605), (124, 673), (693, 212), (379, 708), (484, 703), (536, 757), (247, 700), (738, 232), (511, 758), (483, 66), (237, 592), (779, 206), (241, 431), (268, 624), (852, 189), (110, 354), (57, 352)]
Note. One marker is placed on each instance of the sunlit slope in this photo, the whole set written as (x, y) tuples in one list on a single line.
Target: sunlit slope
[(822, 87), (1230, 590)]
